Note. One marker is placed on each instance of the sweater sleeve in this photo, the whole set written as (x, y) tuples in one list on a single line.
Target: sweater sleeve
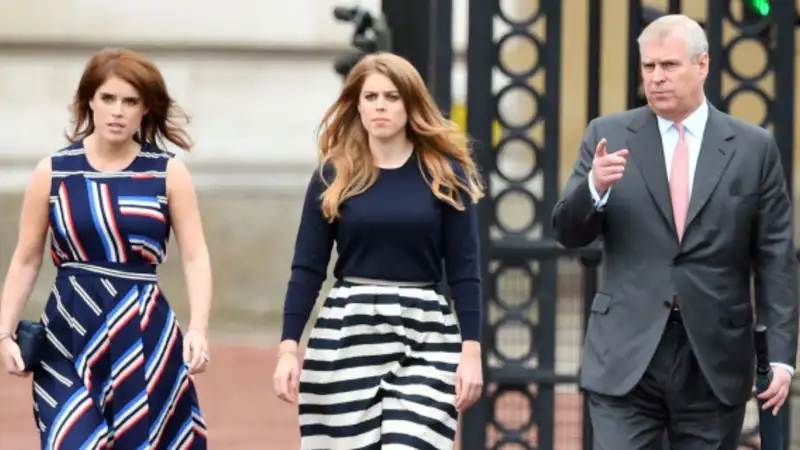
[(462, 263), (312, 252)]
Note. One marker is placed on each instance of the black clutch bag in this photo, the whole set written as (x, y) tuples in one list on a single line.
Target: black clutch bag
[(30, 339)]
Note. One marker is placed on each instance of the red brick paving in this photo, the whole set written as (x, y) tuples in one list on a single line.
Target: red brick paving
[(235, 395), (243, 414)]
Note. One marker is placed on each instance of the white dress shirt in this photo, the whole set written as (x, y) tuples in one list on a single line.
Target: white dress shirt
[(694, 128)]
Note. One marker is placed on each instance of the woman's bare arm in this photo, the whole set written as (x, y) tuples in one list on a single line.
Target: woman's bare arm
[(27, 258), (188, 227)]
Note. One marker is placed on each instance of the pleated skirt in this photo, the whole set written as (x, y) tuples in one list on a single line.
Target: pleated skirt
[(379, 370)]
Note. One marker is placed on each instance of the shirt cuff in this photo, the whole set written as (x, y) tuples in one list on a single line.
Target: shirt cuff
[(788, 368), (599, 202)]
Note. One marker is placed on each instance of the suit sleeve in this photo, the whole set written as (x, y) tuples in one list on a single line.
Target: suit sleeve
[(774, 265), (577, 217)]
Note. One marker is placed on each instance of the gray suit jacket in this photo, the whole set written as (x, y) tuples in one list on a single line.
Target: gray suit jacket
[(740, 219)]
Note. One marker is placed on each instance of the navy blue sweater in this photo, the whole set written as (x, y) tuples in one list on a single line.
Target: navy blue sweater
[(397, 230)]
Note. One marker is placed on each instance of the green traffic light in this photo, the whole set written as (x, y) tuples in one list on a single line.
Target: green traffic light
[(761, 7)]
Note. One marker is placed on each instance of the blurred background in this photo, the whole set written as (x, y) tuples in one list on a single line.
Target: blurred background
[(256, 78)]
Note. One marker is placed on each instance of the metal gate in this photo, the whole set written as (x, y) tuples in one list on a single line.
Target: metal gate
[(536, 294)]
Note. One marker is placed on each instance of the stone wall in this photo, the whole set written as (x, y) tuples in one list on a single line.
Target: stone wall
[(250, 238)]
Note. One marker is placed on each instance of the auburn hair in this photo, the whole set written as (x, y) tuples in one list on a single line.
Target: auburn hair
[(160, 122), (343, 141)]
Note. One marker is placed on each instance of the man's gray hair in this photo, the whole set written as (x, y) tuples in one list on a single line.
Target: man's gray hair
[(676, 25)]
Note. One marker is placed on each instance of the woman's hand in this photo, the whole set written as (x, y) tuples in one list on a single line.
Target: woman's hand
[(11, 356), (286, 380), (195, 351), (469, 376)]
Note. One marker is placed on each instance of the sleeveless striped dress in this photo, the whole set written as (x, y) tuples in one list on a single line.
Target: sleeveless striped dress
[(112, 373)]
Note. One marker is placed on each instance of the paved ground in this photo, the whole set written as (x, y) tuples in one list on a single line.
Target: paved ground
[(241, 411), (236, 397), (243, 414)]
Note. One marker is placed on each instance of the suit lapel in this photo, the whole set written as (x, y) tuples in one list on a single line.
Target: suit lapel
[(716, 150), (644, 145), (715, 154)]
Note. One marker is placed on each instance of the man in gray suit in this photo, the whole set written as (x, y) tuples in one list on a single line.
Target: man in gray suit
[(687, 202)]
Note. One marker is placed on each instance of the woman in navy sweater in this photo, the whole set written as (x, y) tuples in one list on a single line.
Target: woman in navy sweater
[(387, 362)]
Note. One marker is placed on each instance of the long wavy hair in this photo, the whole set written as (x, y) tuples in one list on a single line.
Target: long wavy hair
[(161, 120), (344, 144)]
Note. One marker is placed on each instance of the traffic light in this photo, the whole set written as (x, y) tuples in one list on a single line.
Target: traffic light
[(757, 8), (755, 12), (379, 40)]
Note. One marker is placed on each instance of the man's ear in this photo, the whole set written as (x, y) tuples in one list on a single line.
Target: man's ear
[(703, 60)]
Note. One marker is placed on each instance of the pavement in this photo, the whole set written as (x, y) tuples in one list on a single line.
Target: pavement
[(242, 413)]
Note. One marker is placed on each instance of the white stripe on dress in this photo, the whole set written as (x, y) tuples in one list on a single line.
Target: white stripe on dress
[(380, 367)]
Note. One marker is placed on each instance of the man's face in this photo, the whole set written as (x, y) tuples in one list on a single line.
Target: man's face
[(673, 83)]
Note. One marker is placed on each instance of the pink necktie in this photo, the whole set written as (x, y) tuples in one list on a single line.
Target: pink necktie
[(679, 181)]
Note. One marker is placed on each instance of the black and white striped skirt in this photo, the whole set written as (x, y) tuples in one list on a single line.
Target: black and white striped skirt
[(379, 370)]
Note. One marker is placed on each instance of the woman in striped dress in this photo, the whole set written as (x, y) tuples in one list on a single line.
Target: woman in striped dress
[(116, 370), (388, 365)]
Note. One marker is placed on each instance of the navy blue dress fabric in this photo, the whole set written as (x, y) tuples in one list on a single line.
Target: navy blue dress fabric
[(112, 373)]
